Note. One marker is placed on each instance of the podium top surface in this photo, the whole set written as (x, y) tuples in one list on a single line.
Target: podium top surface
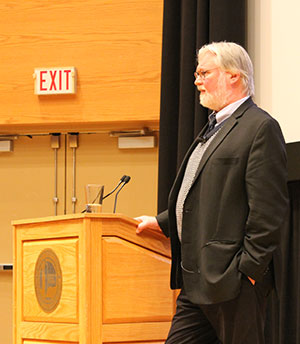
[(116, 225), (67, 217)]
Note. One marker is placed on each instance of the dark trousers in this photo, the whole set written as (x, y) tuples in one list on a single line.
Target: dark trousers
[(238, 321)]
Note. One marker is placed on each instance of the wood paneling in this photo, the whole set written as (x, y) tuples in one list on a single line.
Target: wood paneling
[(67, 333), (135, 284), (132, 332), (115, 46), (67, 253), (43, 342)]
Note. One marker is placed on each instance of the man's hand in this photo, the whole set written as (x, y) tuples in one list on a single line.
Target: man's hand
[(251, 280), (147, 222)]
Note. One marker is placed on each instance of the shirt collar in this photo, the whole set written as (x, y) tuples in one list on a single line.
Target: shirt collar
[(229, 110)]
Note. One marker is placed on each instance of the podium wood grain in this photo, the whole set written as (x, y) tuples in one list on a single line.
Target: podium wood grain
[(115, 284)]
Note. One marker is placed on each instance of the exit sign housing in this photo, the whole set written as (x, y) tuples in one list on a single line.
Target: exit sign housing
[(55, 80)]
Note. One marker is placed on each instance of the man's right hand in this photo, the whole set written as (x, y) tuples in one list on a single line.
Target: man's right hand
[(147, 222)]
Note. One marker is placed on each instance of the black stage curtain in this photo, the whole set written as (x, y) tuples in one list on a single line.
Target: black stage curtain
[(283, 316), (188, 25)]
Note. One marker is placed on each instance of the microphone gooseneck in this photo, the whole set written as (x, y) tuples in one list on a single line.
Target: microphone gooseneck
[(125, 181), (120, 182)]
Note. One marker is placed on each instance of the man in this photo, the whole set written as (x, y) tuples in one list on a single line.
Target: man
[(225, 209)]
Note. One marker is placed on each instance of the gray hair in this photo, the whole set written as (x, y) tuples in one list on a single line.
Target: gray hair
[(233, 58)]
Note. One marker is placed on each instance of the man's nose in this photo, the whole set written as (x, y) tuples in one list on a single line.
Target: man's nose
[(198, 81)]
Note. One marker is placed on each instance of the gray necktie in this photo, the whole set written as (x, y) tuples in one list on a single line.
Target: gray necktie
[(211, 122)]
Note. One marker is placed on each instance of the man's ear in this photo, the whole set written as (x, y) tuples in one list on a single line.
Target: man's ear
[(234, 77)]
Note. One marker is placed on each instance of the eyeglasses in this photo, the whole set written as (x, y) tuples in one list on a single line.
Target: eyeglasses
[(202, 74)]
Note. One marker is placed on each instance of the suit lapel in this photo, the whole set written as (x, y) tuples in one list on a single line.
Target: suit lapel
[(231, 123), (215, 143)]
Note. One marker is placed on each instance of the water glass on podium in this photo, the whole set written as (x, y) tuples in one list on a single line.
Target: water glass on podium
[(94, 197)]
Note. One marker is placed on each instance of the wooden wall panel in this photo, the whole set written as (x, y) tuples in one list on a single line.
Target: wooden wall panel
[(115, 46)]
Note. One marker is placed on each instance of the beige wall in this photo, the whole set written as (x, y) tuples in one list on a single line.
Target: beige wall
[(6, 302), (27, 189), (273, 28)]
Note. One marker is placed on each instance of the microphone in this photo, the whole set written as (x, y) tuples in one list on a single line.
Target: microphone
[(120, 182), (125, 181)]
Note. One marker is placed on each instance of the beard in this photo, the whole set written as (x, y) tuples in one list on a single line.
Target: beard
[(217, 99)]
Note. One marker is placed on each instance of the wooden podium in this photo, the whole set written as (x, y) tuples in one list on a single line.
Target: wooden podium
[(89, 279)]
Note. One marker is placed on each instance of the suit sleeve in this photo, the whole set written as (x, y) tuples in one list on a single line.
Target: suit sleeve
[(266, 186), (163, 221)]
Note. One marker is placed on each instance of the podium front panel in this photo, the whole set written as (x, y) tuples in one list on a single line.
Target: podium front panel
[(89, 279), (50, 281), (135, 283)]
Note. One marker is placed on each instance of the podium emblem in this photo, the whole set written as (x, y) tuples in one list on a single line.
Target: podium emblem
[(48, 280)]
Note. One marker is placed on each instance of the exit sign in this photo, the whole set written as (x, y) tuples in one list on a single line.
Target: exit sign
[(56, 80)]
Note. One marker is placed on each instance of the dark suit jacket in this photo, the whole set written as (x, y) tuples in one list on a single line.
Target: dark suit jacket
[(234, 210)]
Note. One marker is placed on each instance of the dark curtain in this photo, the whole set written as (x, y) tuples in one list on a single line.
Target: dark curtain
[(283, 316), (188, 25)]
